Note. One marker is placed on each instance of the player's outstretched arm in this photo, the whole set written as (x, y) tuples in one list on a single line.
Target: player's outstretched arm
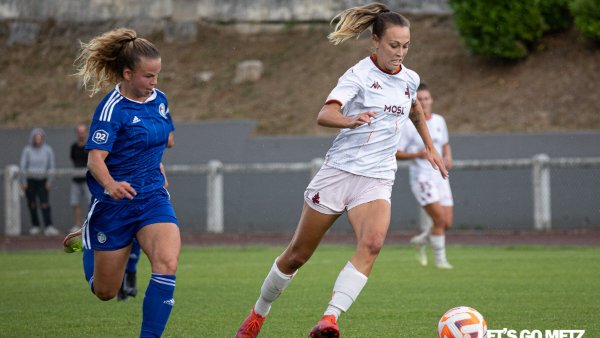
[(97, 166), (331, 116), (447, 154), (163, 171), (402, 155), (418, 119), (171, 140)]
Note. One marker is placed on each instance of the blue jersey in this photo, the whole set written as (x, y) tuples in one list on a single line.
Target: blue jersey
[(135, 135)]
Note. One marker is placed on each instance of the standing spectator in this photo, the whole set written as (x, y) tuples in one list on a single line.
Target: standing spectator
[(79, 189), (37, 162), (431, 191)]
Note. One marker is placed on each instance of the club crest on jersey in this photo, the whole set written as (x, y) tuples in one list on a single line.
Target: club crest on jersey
[(100, 136), (407, 92), (101, 238), (316, 198), (162, 110)]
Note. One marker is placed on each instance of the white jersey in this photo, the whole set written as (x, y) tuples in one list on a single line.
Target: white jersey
[(411, 142), (369, 150)]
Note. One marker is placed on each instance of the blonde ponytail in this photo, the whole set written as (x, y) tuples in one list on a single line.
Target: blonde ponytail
[(353, 21), (101, 61)]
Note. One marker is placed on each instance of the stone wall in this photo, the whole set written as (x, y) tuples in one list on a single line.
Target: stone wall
[(22, 21), (84, 10), (191, 10)]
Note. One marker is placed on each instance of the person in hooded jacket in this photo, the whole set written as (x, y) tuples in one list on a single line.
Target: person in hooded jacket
[(37, 163)]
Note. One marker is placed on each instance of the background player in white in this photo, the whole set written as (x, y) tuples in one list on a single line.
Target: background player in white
[(369, 104), (431, 191)]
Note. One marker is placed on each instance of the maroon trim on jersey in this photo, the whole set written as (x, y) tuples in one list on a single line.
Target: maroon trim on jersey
[(334, 101), (374, 59)]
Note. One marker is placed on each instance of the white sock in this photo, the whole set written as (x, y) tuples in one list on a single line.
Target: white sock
[(425, 221), (346, 289), (438, 245), (332, 310), (272, 287), (423, 235)]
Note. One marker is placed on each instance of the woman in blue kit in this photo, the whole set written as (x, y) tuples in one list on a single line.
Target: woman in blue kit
[(129, 132)]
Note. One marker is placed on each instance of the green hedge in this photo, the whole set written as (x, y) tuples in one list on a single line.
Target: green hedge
[(587, 18), (556, 14), (506, 29)]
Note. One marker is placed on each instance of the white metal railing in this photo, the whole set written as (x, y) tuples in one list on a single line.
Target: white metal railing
[(540, 168)]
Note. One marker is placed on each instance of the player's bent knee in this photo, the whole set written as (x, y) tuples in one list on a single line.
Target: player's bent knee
[(166, 266), (375, 248), (440, 223), (373, 245), (105, 295)]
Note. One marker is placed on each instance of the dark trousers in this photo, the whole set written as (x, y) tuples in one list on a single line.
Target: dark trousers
[(36, 190)]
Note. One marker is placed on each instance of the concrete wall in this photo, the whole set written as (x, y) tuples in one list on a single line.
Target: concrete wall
[(84, 10), (191, 10), (22, 21), (272, 202)]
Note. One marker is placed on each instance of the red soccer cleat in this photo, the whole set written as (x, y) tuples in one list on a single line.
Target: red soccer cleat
[(251, 326), (327, 327)]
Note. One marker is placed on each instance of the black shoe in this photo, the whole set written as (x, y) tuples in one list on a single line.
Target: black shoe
[(122, 294), (130, 283)]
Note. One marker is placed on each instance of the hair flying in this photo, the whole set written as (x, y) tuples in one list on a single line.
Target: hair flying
[(101, 61), (353, 21)]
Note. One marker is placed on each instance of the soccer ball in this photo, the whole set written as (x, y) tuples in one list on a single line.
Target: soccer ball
[(462, 322)]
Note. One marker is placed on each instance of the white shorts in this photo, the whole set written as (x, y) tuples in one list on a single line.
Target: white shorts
[(79, 191), (332, 191), (429, 189)]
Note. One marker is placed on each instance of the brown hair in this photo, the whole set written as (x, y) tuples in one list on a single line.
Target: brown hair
[(353, 21), (422, 86), (102, 60)]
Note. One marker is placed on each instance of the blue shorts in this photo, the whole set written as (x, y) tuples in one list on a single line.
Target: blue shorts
[(112, 226)]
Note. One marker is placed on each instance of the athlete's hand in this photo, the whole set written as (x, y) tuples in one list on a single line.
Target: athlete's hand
[(437, 163), (361, 119), (119, 190)]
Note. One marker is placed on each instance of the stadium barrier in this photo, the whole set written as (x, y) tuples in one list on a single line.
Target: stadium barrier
[(540, 166)]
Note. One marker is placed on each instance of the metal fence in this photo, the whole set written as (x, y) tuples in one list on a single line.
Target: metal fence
[(540, 166)]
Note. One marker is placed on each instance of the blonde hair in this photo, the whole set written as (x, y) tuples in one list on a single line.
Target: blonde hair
[(353, 21), (101, 61)]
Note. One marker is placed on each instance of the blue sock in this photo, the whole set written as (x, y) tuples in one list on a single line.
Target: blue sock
[(134, 256), (158, 303), (88, 266)]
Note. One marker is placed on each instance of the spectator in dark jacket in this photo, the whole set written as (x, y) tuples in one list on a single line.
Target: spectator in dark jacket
[(79, 190)]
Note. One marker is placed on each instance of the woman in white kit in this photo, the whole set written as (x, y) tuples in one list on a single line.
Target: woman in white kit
[(369, 105), (431, 191)]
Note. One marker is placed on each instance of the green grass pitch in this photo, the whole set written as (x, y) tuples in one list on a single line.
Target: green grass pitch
[(43, 293)]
